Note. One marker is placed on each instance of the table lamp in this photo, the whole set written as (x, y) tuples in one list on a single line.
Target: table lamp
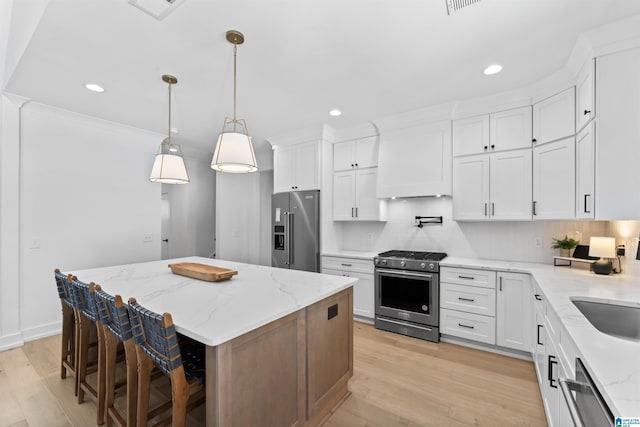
[(605, 248)]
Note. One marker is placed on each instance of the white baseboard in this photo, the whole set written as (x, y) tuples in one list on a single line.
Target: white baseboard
[(42, 331), (11, 341), (487, 347)]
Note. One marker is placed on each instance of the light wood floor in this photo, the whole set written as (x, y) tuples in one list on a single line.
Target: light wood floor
[(398, 381)]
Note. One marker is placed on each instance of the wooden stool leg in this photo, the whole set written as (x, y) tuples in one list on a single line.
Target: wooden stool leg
[(179, 397), (132, 382), (101, 383), (111, 347), (83, 353), (67, 343), (145, 365)]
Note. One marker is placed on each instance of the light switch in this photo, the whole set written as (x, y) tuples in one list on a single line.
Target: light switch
[(148, 237), (35, 243)]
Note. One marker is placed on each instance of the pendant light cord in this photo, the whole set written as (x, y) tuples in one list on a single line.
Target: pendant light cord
[(235, 52), (169, 129)]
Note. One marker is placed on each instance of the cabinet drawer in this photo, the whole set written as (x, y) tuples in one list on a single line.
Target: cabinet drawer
[(348, 264), (470, 299), (467, 276), (466, 325)]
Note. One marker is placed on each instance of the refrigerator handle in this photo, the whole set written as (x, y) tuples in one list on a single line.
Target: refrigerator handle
[(288, 241)]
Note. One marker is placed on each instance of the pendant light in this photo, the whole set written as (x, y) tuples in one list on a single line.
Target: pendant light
[(234, 151), (169, 167)]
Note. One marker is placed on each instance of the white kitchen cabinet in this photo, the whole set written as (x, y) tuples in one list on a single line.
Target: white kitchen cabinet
[(358, 153), (466, 325), (514, 311), (363, 289), (471, 135), (354, 196), (554, 117), (617, 136), (296, 167), (494, 186), (585, 95), (415, 161), (510, 129), (554, 180), (585, 172)]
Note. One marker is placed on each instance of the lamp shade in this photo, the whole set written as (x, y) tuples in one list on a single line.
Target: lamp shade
[(168, 166), (234, 154), (602, 247)]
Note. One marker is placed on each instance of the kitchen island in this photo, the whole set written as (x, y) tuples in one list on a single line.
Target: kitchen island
[(279, 343)]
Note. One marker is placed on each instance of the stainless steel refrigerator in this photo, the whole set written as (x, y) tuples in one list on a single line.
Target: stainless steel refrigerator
[(295, 218)]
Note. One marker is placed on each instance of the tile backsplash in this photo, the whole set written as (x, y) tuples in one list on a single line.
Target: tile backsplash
[(507, 240)]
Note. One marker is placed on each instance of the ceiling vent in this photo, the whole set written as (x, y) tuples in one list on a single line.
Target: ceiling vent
[(456, 5), (159, 9)]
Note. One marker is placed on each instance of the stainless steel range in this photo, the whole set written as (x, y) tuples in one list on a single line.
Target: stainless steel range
[(407, 293)]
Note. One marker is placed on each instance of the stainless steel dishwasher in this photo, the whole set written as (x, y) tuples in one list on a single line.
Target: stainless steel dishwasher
[(586, 405)]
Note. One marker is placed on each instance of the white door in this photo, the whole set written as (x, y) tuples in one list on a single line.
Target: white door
[(165, 226), (585, 90), (366, 152), (307, 167), (283, 169), (510, 191), (343, 156), (510, 129), (344, 188), (363, 295), (554, 118), (514, 311), (471, 135), (366, 203), (554, 180), (585, 173), (471, 187)]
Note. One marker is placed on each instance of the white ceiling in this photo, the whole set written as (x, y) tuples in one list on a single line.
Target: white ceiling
[(301, 58)]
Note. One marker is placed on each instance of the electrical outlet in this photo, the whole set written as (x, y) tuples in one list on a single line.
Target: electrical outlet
[(537, 241), (35, 243), (148, 237)]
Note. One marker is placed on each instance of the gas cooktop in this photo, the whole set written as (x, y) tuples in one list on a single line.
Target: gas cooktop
[(410, 260)]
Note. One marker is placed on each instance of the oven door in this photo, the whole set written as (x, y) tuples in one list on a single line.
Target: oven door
[(407, 296)]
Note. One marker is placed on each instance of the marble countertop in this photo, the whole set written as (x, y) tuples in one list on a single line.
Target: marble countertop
[(216, 312), (613, 362), (352, 254)]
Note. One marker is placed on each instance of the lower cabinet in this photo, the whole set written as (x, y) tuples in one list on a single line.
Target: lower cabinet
[(363, 289), (486, 306)]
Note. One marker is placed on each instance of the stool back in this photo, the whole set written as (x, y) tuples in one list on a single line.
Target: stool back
[(84, 298), (62, 282), (114, 315)]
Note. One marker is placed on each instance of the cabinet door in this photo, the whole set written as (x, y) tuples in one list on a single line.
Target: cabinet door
[(283, 169), (471, 135), (415, 161), (510, 129), (363, 295), (511, 185), (366, 152), (554, 117), (514, 311), (343, 156), (307, 168), (538, 352), (585, 172), (471, 187), (585, 95), (554, 180), (344, 193), (366, 203)]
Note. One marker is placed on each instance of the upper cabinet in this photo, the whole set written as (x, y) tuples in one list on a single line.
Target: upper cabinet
[(510, 130), (296, 167), (471, 135), (504, 130), (415, 160), (554, 180), (359, 153), (585, 95), (554, 117), (617, 145), (585, 172)]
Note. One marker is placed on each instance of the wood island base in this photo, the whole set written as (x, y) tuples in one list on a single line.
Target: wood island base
[(291, 372)]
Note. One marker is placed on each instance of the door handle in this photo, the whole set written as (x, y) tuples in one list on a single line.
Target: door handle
[(493, 209), (552, 361), (165, 240), (534, 208), (538, 337), (585, 203)]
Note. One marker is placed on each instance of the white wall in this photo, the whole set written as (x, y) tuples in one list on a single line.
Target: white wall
[(193, 209), (85, 199)]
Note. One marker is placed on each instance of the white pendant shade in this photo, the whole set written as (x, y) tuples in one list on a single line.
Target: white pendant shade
[(169, 167), (234, 154)]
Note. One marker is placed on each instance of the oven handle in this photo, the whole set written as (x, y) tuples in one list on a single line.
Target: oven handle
[(403, 273), (405, 324)]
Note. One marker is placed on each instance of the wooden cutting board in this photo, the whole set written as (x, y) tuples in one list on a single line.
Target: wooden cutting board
[(205, 272)]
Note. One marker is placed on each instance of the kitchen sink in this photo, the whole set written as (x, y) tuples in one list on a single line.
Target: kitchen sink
[(618, 319)]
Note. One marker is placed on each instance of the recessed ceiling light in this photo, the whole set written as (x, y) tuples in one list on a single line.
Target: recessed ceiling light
[(335, 112), (94, 87), (493, 69)]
